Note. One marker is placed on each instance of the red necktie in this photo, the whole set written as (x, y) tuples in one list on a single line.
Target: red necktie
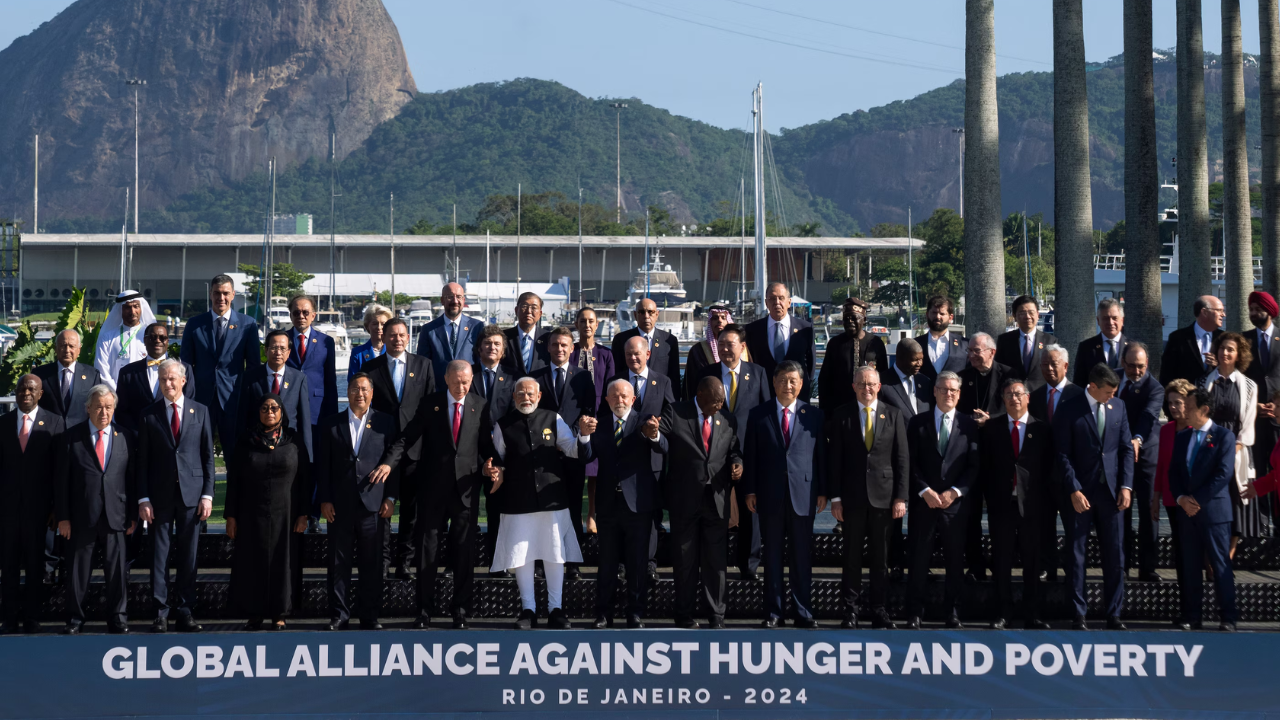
[(175, 424), (457, 421), (25, 433), (275, 384), (302, 349), (1052, 392), (706, 435), (786, 427), (1016, 450), (101, 447)]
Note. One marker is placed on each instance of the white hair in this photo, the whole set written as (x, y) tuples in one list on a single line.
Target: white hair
[(866, 370), (172, 363), (98, 391), (616, 381), (1057, 350), (946, 376), (983, 340)]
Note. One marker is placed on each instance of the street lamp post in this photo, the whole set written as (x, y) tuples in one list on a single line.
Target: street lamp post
[(619, 107), (960, 132), (137, 84)]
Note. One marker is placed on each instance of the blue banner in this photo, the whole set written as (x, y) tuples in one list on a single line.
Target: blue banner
[(726, 674)]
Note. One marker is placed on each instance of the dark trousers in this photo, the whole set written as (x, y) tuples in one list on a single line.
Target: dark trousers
[(700, 547), (1148, 531), (22, 548), (899, 545), (926, 524), (357, 529), (1052, 505), (973, 557), (1108, 521), (623, 537), (183, 519), (403, 554), (1202, 539), (575, 479), (493, 523), (776, 526), (870, 525), (1016, 530), (747, 554), (1175, 533), (434, 513), (82, 542)]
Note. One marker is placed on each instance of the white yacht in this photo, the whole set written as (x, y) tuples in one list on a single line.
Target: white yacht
[(661, 284), (333, 324), (278, 315)]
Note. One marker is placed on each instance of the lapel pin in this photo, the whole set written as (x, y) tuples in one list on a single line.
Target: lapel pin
[(369, 426), (410, 374), (795, 330), (717, 422), (501, 379), (655, 343), (955, 342), (286, 385), (41, 422), (1108, 406), (84, 377), (192, 411), (802, 412), (313, 339), (437, 408), (653, 382), (1040, 346), (746, 377), (233, 327), (970, 383), (881, 417), (115, 433), (271, 447)]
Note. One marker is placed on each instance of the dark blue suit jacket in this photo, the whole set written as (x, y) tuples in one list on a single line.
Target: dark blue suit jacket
[(504, 384), (1210, 478), (169, 471), (1085, 463), (294, 394), (634, 465), (219, 366), (133, 389), (577, 397), (657, 395), (777, 473), (433, 342), (321, 371), (754, 390), (342, 475), (801, 348), (1143, 401)]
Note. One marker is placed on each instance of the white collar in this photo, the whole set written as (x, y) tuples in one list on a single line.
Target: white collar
[(277, 372), (304, 333), (643, 373), (902, 377), (226, 316), (1106, 339), (398, 359), (454, 321), (527, 334), (789, 408), (493, 369), (453, 400), (353, 418), (862, 409), (784, 322), (1022, 420), (169, 403), (1093, 403), (938, 414), (564, 367), (1208, 425), (94, 431), (731, 369), (64, 368), (625, 415), (646, 334), (1026, 336), (1062, 385), (32, 414)]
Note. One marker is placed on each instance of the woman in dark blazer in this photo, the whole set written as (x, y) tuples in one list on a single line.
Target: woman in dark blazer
[(598, 360)]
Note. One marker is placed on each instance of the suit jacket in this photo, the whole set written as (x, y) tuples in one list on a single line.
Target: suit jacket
[(957, 355), (504, 384), (433, 342), (171, 472), (1143, 401), (320, 367), (634, 465), (1039, 404), (577, 397), (1211, 476), (860, 477), (1033, 466), (513, 359), (1182, 357), (1091, 352), (664, 356), (293, 393), (419, 381), (894, 393), (342, 474), (1086, 463), (958, 468), (691, 467), (83, 378), (1009, 352), (1266, 378), (801, 348), (27, 478), (835, 378), (133, 388), (84, 492), (778, 473), (219, 365), (658, 394), (754, 390), (448, 466), (990, 401)]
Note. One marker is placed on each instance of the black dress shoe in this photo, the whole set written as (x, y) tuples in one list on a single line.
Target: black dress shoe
[(1114, 623), (72, 628), (1180, 624), (188, 624), (1227, 627), (634, 622), (850, 622), (717, 623), (1195, 625), (771, 623), (750, 576), (32, 627), (1044, 576), (953, 622), (558, 620), (1150, 577), (913, 622), (313, 526), (897, 576), (252, 625), (460, 621), (571, 572), (336, 625), (880, 620), (653, 575), (526, 620), (370, 625), (276, 626), (1079, 623), (1037, 624), (500, 574), (8, 628), (160, 625), (403, 573), (601, 622), (422, 622), (998, 624), (686, 623), (806, 623), (838, 529), (117, 628)]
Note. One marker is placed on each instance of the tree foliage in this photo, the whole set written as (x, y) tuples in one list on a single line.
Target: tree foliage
[(285, 280), (27, 353)]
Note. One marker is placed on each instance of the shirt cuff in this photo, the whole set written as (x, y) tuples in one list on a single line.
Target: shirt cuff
[(144, 500), (584, 439), (835, 499), (207, 497), (956, 490), (1178, 500), (922, 492), (390, 499)]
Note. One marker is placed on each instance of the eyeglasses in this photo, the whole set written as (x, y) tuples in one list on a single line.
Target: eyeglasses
[(866, 385), (528, 308), (1015, 395)]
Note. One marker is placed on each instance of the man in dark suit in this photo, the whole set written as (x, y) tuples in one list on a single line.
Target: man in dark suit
[(943, 446), (904, 388), (630, 452), (495, 385), (1187, 351), (139, 383), (313, 353), (1020, 349), (527, 348), (95, 502), (67, 382), (1095, 468), (1143, 399), (664, 349), (785, 480), (746, 387), (400, 381), (455, 429), (705, 458), (847, 352), (175, 490), (30, 439), (980, 397), (221, 345), (1201, 475), (277, 378), (1054, 364), (451, 336), (943, 349), (356, 483), (1107, 347), (1017, 472), (869, 464), (1264, 371), (782, 336)]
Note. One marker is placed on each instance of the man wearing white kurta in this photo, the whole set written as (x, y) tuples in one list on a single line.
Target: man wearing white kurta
[(120, 341), (532, 445)]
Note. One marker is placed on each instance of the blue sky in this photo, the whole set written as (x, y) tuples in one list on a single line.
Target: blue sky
[(701, 58)]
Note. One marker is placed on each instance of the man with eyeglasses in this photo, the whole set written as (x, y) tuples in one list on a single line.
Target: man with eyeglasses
[(1187, 353), (980, 397), (139, 382), (664, 349), (452, 335), (526, 342), (312, 352)]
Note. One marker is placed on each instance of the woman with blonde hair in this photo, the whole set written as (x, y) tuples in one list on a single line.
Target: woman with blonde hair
[(374, 316)]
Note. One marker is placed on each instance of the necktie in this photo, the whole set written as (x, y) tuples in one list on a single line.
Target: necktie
[(398, 379), (25, 433), (1196, 439), (786, 427), (559, 383), (1264, 350), (453, 339), (526, 349), (1053, 394), (944, 434), (617, 432), (911, 391), (222, 330), (101, 448), (1016, 449), (1102, 421), (275, 384), (488, 384), (868, 431), (66, 389), (457, 421), (733, 391), (1028, 353), (706, 435), (1113, 357), (302, 348), (779, 343), (175, 423), (639, 383)]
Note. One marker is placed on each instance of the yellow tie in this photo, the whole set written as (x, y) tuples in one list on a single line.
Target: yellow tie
[(869, 436), (733, 390)]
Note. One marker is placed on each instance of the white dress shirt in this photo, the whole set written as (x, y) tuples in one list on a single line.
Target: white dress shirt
[(1106, 345), (726, 377), (153, 376), (564, 439), (94, 432), (460, 402), (939, 350), (1056, 397), (271, 378), (791, 411), (1191, 446), (1093, 409), (168, 416), (1022, 434), (356, 424), (520, 339), (772, 328)]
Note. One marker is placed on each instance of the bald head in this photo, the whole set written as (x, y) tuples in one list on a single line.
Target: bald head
[(453, 298), (646, 315), (28, 392), (66, 346), (1209, 312), (710, 395), (636, 354)]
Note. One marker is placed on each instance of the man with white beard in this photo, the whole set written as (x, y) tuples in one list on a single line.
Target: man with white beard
[(532, 446)]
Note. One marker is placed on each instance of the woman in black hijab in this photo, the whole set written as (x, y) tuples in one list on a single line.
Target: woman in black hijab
[(268, 487)]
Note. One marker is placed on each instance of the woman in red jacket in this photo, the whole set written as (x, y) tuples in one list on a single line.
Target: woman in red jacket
[(1175, 395)]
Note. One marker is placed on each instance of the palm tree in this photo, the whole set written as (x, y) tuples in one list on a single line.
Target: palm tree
[(1193, 163), (1072, 201), (983, 236), (1143, 315), (1269, 80), (1237, 223)]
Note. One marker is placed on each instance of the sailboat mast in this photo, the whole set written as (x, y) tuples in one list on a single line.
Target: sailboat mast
[(762, 258), (333, 242)]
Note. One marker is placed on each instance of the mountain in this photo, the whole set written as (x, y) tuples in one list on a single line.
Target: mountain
[(229, 83)]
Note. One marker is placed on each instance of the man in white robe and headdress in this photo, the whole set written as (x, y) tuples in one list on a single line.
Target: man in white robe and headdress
[(120, 340)]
